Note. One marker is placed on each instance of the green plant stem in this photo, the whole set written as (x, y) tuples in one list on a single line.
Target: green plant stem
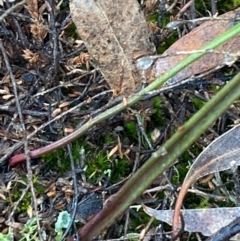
[(131, 100), (162, 159), (166, 155)]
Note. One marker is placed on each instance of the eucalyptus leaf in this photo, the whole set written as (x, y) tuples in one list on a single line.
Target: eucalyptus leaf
[(207, 221)]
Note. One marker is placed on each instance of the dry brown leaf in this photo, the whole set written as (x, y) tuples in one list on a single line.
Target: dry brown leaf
[(115, 33), (52, 193), (194, 41), (75, 94), (113, 151), (38, 29), (2, 196), (69, 192), (32, 120), (83, 58), (56, 112), (30, 56), (60, 206), (30, 211), (222, 154), (6, 79), (6, 89), (32, 7), (207, 221), (64, 104), (2, 220), (155, 134), (125, 101), (89, 100), (68, 130), (16, 225), (7, 97), (120, 153), (3, 92)]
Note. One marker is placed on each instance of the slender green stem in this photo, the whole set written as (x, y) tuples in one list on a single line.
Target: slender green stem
[(166, 155), (234, 31), (162, 159), (131, 100)]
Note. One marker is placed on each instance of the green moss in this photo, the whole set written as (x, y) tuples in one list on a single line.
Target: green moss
[(77, 147), (71, 31), (29, 231), (107, 139), (184, 164), (157, 117), (57, 161), (194, 201), (227, 5), (214, 88), (121, 169), (172, 38), (157, 103), (115, 169), (228, 72), (39, 188), (17, 190), (180, 172), (166, 20), (204, 203), (203, 6), (96, 159), (97, 165), (153, 17), (222, 5), (64, 5), (131, 130), (102, 163), (142, 218), (198, 103), (196, 150), (25, 202)]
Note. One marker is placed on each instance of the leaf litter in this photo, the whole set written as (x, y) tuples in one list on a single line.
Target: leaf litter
[(225, 54), (205, 220), (222, 154), (72, 93)]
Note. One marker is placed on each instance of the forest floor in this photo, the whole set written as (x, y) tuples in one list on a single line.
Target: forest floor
[(49, 87)]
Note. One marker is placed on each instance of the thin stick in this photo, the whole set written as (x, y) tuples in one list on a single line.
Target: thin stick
[(8, 11), (26, 151)]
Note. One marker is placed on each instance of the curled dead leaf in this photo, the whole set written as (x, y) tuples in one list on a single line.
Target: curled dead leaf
[(225, 54), (222, 154)]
